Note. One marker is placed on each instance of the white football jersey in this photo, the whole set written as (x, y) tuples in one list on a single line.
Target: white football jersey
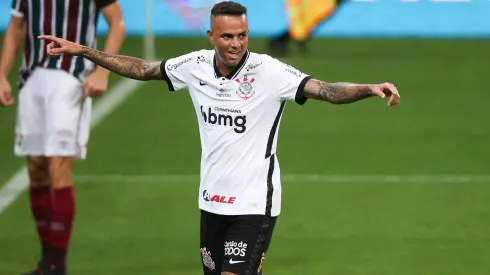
[(239, 117)]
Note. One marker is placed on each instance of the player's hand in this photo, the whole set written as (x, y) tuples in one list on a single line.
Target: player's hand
[(387, 89), (58, 46), (5, 93), (95, 84)]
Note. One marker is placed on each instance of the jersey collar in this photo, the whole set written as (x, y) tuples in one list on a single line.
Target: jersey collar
[(235, 71)]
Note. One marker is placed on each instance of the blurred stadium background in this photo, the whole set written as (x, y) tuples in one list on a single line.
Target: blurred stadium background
[(368, 190)]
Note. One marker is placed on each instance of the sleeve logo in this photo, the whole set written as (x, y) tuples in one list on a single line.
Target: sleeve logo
[(171, 67)]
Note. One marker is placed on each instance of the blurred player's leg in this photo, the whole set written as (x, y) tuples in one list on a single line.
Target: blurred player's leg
[(30, 123), (53, 208), (40, 198), (62, 209)]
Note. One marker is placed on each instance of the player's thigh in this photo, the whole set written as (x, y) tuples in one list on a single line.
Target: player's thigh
[(248, 238), (65, 116), (211, 242), (30, 120)]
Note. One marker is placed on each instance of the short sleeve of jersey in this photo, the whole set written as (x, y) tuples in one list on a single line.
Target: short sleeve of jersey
[(103, 3), (175, 71), (19, 8), (287, 82)]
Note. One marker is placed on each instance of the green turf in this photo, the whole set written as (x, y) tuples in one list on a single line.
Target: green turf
[(440, 128)]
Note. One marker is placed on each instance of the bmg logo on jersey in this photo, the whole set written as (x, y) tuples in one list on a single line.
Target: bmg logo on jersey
[(233, 248), (237, 121)]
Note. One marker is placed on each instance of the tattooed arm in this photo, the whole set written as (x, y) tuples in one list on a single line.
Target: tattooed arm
[(343, 92), (130, 67), (126, 66), (337, 93)]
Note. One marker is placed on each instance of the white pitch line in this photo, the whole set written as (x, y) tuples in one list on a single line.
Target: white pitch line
[(115, 96), (292, 178)]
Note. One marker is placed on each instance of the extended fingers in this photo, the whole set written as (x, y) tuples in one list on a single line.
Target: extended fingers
[(50, 38), (54, 46)]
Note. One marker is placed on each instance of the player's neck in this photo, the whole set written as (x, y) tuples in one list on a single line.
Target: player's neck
[(223, 70), (222, 67)]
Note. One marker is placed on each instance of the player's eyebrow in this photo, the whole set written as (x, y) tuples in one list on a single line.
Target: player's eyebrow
[(231, 35)]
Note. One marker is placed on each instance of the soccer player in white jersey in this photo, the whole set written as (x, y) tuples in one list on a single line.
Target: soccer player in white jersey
[(239, 97)]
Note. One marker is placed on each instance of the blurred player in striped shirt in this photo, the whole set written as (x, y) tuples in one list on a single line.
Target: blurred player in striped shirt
[(53, 115)]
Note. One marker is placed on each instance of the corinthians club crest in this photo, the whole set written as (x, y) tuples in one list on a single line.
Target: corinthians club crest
[(207, 260), (245, 88)]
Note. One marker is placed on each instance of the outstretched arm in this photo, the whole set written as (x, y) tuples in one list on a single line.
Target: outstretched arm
[(127, 66), (343, 92)]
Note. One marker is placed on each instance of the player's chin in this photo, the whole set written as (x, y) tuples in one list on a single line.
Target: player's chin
[(233, 58)]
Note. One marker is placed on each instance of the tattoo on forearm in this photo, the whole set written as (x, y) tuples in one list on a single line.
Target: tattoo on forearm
[(127, 66), (341, 93), (337, 93)]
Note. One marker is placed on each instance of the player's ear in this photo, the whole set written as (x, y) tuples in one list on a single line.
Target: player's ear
[(210, 36)]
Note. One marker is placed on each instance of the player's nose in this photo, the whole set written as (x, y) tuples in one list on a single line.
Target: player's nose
[(236, 42)]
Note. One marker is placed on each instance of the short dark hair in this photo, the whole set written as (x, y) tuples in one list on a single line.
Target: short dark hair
[(228, 8)]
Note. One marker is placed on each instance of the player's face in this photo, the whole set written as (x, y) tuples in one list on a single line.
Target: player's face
[(229, 35)]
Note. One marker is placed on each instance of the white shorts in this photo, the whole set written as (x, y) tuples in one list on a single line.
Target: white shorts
[(52, 120)]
